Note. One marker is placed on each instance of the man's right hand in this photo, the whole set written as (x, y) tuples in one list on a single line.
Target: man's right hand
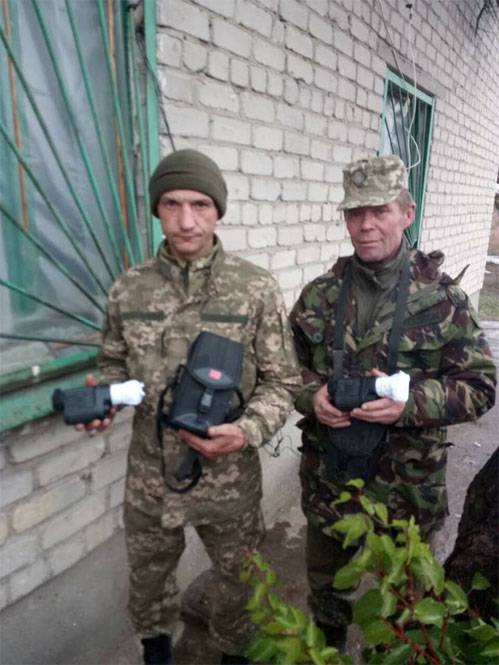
[(326, 413), (96, 425)]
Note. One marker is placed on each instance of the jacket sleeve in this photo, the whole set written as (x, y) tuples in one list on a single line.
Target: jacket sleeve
[(112, 358), (303, 334), (278, 378), (464, 388)]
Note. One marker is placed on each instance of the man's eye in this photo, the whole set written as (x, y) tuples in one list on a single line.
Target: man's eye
[(170, 205), (201, 204)]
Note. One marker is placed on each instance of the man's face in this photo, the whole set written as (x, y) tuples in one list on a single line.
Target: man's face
[(376, 231), (188, 221)]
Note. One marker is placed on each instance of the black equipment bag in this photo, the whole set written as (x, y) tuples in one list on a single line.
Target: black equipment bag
[(206, 385), (203, 391)]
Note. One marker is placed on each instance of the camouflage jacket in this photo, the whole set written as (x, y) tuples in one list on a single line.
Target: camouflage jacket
[(155, 312), (445, 353)]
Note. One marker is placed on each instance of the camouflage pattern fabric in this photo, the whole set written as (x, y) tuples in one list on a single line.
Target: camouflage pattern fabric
[(445, 353), (373, 182), (453, 379), (154, 553), (155, 312)]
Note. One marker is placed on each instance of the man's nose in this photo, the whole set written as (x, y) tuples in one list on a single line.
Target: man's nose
[(367, 219), (186, 216)]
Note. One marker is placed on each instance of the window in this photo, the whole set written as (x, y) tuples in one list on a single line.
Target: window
[(406, 131), (73, 154)]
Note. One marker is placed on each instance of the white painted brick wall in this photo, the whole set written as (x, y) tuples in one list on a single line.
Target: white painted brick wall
[(282, 94)]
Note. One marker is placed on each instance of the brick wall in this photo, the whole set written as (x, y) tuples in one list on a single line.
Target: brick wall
[(281, 94)]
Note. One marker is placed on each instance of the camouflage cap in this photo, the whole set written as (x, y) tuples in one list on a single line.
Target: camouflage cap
[(374, 181)]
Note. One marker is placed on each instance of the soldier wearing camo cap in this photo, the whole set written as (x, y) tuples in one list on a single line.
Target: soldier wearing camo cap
[(440, 345), (154, 313)]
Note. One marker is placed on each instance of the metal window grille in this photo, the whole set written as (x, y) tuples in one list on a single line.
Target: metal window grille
[(75, 158), (406, 131)]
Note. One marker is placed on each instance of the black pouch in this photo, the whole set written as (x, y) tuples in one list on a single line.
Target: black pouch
[(205, 388), (203, 391), (354, 451)]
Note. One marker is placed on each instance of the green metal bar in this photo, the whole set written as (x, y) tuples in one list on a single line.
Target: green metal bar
[(39, 372), (82, 148), (52, 259), (152, 106), (48, 138), (50, 340), (140, 120), (41, 301), (105, 156), (119, 118), (409, 87), (56, 215)]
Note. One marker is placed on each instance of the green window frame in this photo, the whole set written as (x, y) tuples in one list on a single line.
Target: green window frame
[(43, 233), (407, 122)]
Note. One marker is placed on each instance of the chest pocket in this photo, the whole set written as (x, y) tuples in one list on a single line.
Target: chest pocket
[(422, 342), (317, 338), (142, 332)]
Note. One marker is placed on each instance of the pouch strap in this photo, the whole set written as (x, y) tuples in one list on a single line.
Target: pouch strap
[(397, 322)]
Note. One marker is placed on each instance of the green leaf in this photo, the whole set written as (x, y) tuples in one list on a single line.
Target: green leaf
[(377, 632), (257, 616), (347, 576), (375, 544), (368, 607), (456, 601), (367, 504), (356, 482), (262, 650), (343, 498), (316, 657), (483, 633), (428, 611), (479, 582), (313, 635), (405, 617), (353, 526), (300, 617), (399, 655), (382, 512), (293, 649), (389, 604), (430, 573), (491, 649)]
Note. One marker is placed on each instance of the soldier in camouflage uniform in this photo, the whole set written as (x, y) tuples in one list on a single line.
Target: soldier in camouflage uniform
[(155, 311), (442, 348)]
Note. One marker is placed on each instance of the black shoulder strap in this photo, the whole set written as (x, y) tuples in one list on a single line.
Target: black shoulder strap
[(339, 329), (398, 317)]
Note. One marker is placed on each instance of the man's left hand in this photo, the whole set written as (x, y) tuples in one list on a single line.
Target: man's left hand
[(224, 439), (385, 410)]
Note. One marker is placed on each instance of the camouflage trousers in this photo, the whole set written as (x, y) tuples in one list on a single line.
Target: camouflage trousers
[(153, 555)]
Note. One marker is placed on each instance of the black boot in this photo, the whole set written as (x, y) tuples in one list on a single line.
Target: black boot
[(231, 659), (336, 636), (158, 650)]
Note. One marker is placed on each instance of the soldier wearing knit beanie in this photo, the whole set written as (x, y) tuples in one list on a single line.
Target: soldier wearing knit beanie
[(188, 169)]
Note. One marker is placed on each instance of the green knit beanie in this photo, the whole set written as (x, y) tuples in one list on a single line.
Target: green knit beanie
[(188, 169)]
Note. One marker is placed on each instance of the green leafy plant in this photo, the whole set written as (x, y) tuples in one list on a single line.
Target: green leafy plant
[(286, 634), (411, 613)]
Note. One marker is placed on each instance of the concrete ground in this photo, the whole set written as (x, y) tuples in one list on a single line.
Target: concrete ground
[(79, 618)]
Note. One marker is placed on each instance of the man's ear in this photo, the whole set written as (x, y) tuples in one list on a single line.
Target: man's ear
[(409, 215)]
